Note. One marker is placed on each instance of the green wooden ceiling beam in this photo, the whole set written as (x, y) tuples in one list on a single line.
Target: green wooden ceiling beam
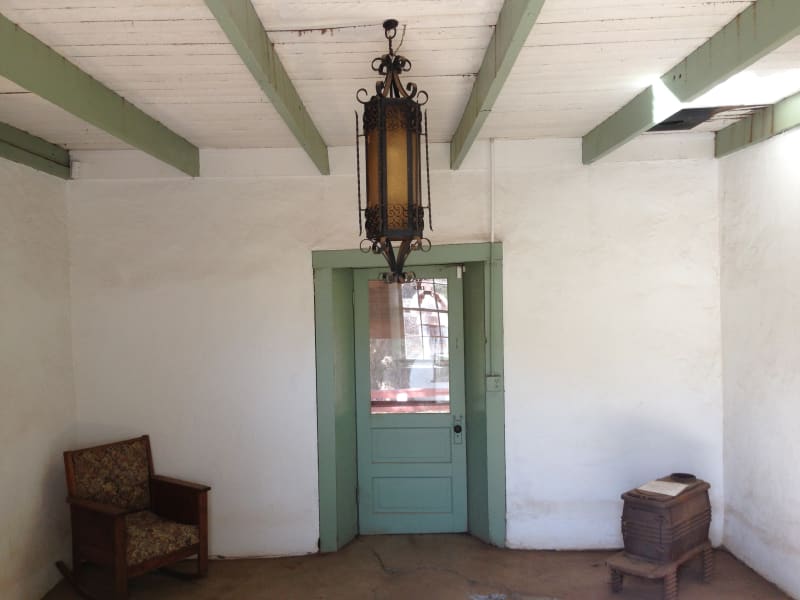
[(39, 69), (650, 107), (758, 127), (22, 147), (756, 31), (245, 31), (514, 23)]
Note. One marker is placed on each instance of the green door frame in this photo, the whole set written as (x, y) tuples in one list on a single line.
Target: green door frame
[(485, 396)]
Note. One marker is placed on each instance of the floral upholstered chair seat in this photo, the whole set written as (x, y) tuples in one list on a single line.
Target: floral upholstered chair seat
[(150, 536)]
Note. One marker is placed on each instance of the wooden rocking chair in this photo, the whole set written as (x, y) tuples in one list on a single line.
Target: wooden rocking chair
[(126, 518)]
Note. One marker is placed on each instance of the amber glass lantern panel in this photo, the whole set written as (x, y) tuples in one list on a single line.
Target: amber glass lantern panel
[(397, 171), (391, 128)]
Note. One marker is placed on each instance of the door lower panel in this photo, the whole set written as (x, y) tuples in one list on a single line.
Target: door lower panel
[(411, 445), (421, 495)]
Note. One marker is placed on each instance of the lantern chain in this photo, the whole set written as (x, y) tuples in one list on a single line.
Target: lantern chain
[(402, 38), (390, 31)]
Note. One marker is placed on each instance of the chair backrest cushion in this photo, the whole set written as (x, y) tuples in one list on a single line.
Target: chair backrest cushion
[(117, 474)]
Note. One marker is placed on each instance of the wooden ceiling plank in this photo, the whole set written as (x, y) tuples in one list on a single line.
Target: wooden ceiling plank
[(762, 27), (246, 33), (39, 69), (758, 127), (514, 23), (24, 148)]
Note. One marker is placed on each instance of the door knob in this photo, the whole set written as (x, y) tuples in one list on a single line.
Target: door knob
[(458, 437)]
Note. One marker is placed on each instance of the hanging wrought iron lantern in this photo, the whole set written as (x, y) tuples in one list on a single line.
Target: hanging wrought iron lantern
[(392, 127)]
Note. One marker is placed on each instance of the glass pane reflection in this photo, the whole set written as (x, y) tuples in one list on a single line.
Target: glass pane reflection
[(408, 343)]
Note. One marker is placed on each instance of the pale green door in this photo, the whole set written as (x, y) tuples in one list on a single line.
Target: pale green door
[(410, 402)]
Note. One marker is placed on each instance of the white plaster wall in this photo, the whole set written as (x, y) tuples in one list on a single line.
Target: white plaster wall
[(761, 334), (193, 321), (37, 404), (612, 337)]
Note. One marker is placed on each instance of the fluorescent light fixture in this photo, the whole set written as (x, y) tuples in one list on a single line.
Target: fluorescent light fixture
[(749, 87)]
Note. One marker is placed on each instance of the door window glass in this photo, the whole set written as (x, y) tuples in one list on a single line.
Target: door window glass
[(408, 345)]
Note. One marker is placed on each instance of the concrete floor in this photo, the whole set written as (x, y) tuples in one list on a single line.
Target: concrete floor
[(435, 567)]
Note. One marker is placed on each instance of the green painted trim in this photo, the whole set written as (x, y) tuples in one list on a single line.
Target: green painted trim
[(245, 31), (22, 147), (343, 360), (336, 435), (758, 127), (39, 69), (482, 255), (650, 107), (16, 154), (475, 348), (514, 24), (361, 332), (756, 31), (326, 405), (495, 401), (34, 145), (446, 253)]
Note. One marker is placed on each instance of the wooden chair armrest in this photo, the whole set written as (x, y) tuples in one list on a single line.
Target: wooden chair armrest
[(196, 487), (98, 530), (177, 500), (97, 507)]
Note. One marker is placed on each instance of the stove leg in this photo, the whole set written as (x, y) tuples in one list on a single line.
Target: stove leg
[(708, 564), (616, 581), (671, 585)]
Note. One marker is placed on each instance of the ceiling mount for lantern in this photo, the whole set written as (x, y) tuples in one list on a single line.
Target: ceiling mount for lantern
[(392, 128)]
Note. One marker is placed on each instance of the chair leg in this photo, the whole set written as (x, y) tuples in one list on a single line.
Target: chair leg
[(671, 585), (72, 579), (708, 564), (616, 581), (120, 579), (202, 562), (120, 566), (120, 586), (76, 557), (202, 554)]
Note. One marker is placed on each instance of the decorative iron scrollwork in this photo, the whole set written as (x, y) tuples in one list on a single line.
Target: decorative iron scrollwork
[(391, 66), (393, 216)]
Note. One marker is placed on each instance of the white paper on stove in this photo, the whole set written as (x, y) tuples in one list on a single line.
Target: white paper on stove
[(668, 488)]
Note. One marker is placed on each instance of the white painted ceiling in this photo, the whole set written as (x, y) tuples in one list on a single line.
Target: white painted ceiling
[(583, 60)]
